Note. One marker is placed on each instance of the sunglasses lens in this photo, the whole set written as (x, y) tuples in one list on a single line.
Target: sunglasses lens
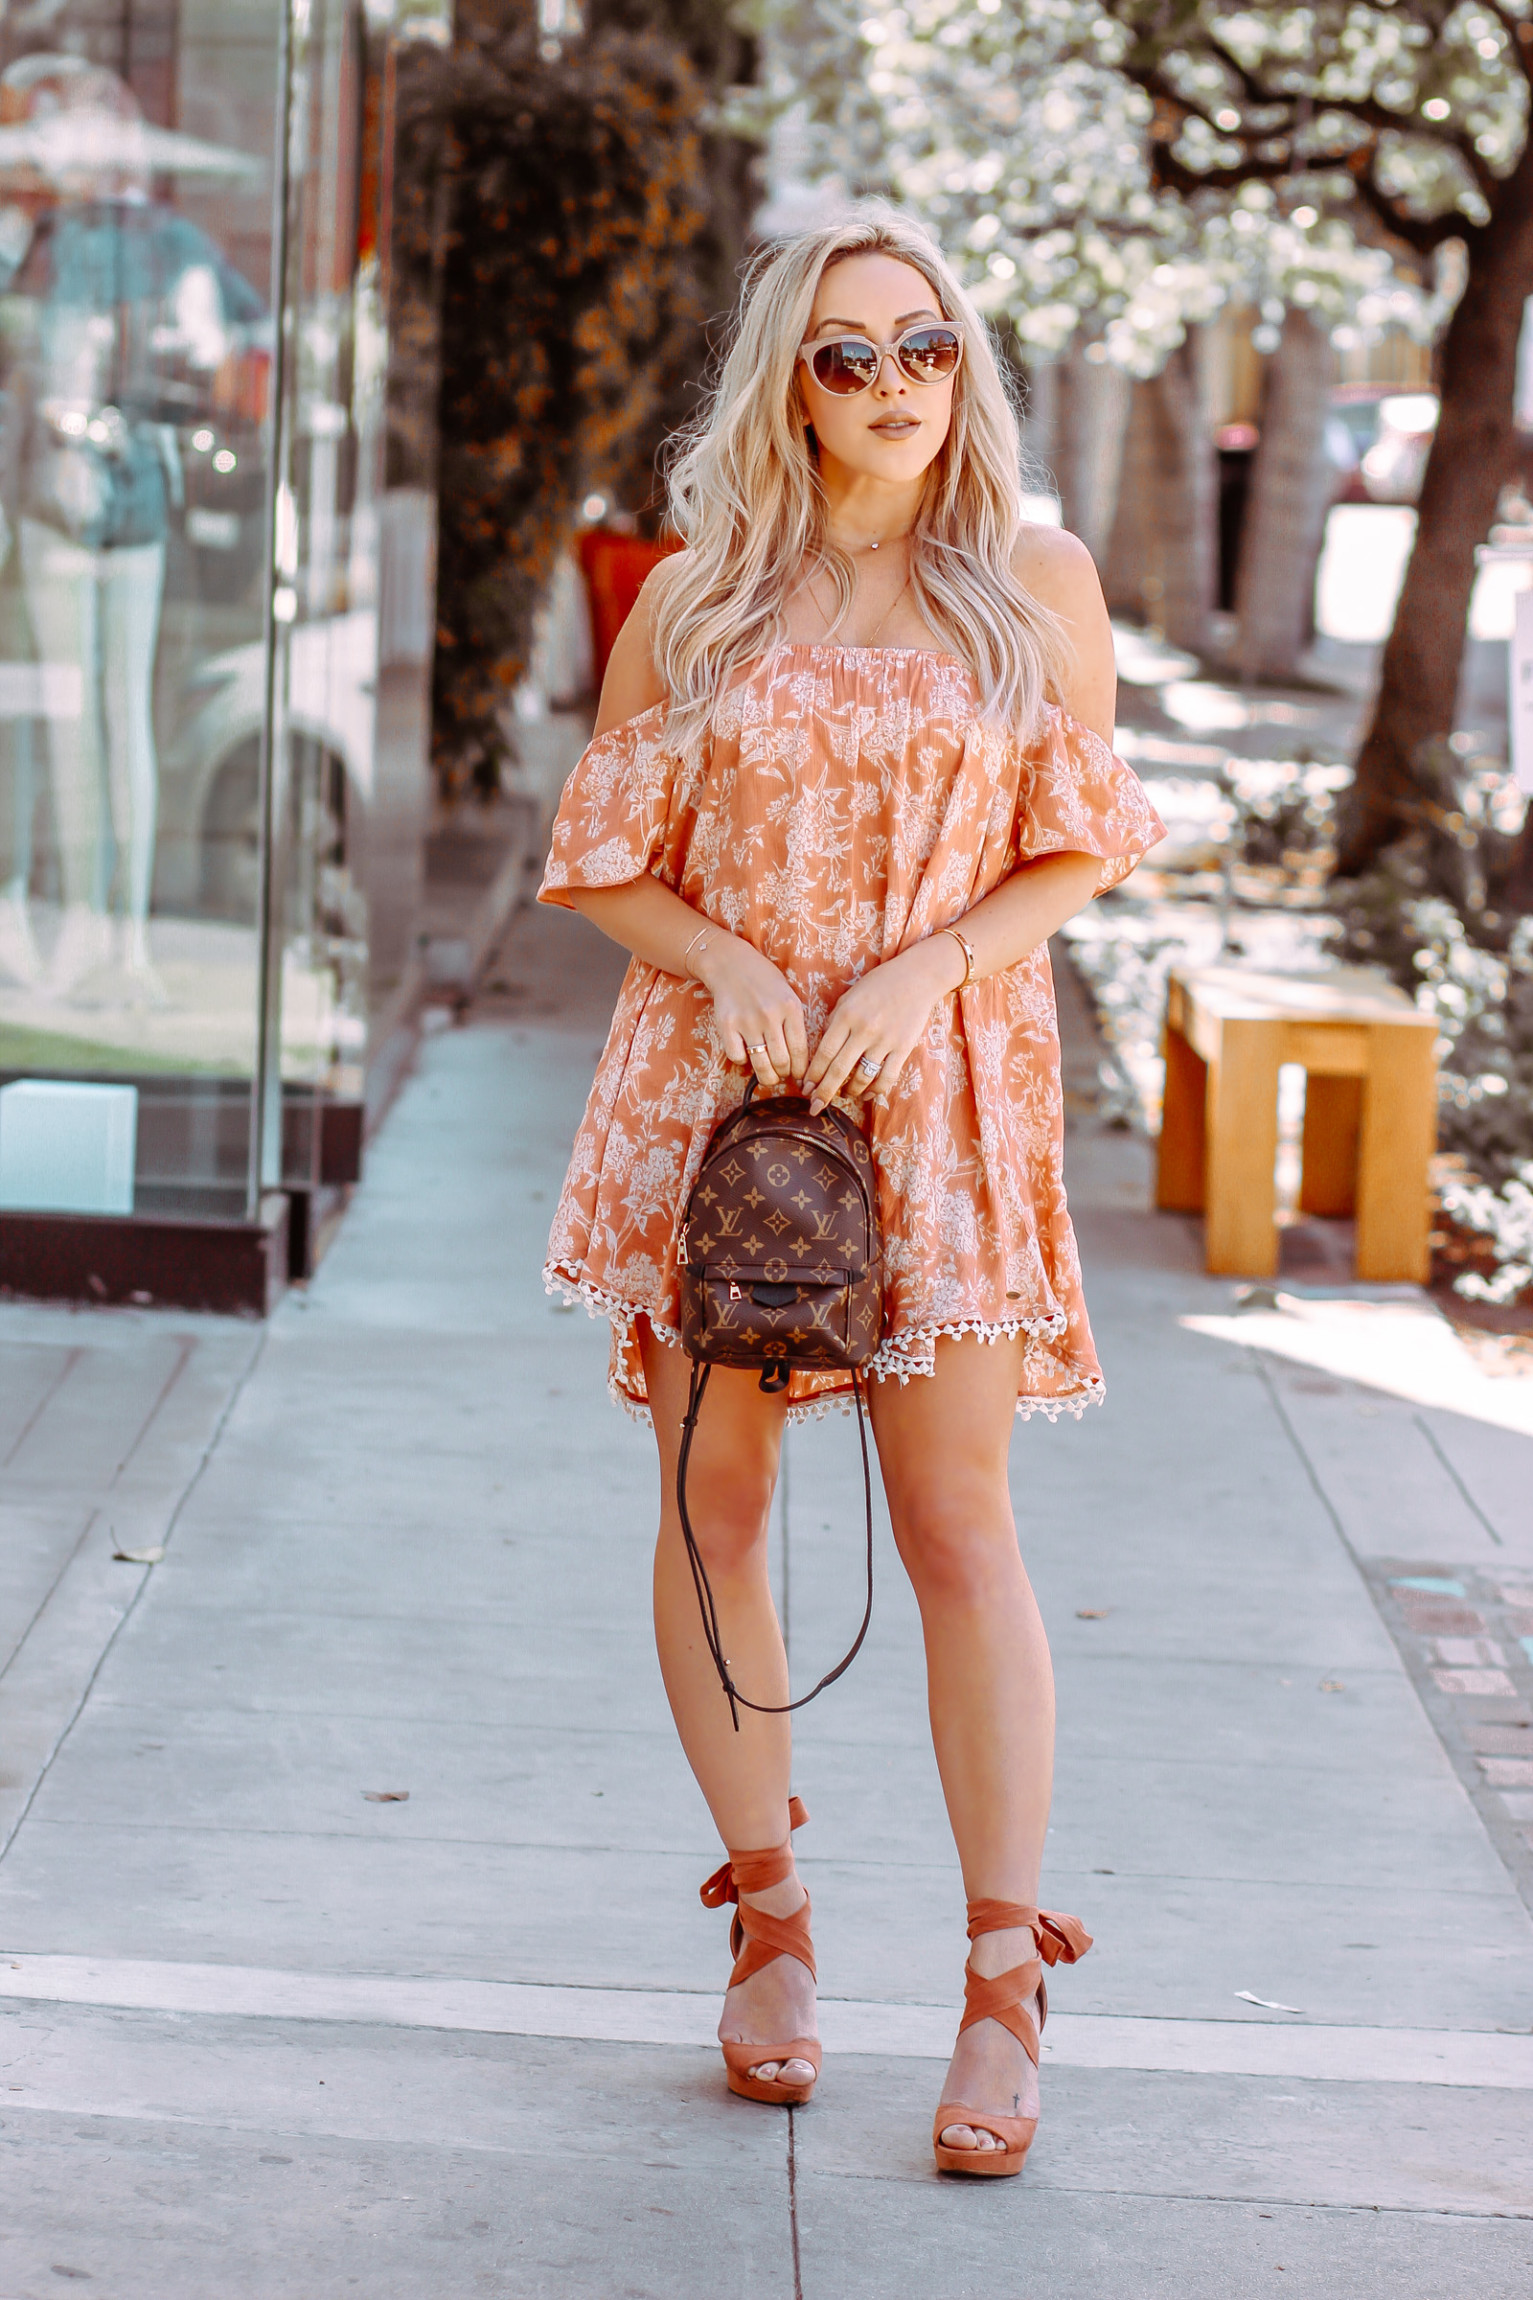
[(845, 366), (930, 354)]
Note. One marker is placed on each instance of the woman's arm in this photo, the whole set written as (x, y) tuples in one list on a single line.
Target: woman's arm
[(760, 1019), (884, 1014)]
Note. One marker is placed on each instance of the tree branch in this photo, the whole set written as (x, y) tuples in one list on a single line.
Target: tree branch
[(1174, 175), (1252, 88), (1365, 112), (1423, 234)]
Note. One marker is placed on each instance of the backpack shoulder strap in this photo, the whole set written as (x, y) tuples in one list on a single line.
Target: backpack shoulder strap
[(705, 1599)]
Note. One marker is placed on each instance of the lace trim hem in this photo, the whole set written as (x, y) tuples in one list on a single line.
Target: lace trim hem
[(903, 1358)]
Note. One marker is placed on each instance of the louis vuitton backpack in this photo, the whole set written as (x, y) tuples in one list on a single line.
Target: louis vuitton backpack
[(780, 1265)]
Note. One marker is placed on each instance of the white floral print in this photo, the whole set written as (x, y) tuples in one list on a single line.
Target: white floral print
[(850, 802)]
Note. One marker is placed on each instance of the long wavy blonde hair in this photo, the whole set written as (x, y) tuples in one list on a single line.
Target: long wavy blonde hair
[(746, 496)]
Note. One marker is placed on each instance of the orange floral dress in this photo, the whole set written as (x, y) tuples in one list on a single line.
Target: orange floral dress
[(849, 802)]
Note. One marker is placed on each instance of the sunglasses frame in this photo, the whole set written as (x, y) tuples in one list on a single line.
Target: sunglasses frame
[(807, 350)]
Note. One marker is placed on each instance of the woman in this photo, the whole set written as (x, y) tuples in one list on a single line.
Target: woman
[(852, 767)]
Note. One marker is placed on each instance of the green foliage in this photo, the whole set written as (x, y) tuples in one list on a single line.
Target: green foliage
[(725, 58), (554, 194)]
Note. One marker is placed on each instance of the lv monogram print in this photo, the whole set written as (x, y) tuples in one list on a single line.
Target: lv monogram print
[(780, 1254)]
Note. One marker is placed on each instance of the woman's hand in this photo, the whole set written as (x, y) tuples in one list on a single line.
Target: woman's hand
[(759, 1016), (873, 1030)]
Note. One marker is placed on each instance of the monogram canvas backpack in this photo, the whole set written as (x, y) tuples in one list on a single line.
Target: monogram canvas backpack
[(780, 1266)]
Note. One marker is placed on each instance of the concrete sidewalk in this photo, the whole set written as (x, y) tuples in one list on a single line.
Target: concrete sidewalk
[(406, 1551)]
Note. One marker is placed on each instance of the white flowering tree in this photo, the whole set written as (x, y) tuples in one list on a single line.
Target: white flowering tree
[(1412, 114), (1013, 126)]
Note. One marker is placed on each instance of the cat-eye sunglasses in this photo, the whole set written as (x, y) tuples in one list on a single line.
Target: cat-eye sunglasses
[(846, 364)]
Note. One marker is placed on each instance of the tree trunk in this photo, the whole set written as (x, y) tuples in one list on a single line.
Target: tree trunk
[(1040, 404), (1127, 568), (1185, 536), (1290, 495), (1091, 418), (1472, 456), (1162, 558)]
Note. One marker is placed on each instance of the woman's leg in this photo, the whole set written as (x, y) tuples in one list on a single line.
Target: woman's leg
[(744, 1776), (942, 1446)]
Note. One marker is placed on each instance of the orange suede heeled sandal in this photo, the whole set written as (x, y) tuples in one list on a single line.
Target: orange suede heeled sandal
[(754, 1940), (1004, 1999)]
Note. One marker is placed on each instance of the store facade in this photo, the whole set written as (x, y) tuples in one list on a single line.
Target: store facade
[(215, 632)]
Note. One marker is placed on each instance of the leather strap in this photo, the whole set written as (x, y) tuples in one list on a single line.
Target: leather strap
[(712, 1636), (1003, 1997), (755, 1938), (1060, 1939), (755, 1872)]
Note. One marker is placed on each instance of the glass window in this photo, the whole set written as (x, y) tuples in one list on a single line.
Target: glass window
[(211, 788)]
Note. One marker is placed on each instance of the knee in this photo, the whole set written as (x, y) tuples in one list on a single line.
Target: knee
[(959, 1547), (730, 1509)]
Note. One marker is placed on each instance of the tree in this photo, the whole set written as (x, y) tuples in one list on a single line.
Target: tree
[(724, 57), (554, 193), (1414, 116), (1290, 496), (1012, 127)]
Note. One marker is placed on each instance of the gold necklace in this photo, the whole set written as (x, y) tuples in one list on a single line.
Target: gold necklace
[(888, 611)]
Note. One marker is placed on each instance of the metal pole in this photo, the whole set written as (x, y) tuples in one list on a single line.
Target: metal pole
[(268, 958)]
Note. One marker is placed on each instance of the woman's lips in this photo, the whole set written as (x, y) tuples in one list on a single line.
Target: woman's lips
[(896, 426)]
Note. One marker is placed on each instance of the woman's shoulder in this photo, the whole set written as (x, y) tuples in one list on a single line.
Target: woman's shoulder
[(1056, 568)]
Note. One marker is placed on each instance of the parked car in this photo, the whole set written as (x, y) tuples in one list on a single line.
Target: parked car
[(210, 770), (1390, 432)]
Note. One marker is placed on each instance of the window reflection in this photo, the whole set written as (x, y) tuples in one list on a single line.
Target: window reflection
[(134, 357), (215, 596)]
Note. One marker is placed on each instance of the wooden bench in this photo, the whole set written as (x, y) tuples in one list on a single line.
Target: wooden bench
[(1370, 1111)]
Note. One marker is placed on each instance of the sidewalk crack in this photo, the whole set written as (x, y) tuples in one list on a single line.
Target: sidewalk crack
[(798, 2277)]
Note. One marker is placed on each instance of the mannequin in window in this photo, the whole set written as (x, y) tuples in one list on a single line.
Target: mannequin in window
[(115, 326)]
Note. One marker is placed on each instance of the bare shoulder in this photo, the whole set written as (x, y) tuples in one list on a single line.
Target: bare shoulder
[(1057, 569), (1059, 572), (632, 684)]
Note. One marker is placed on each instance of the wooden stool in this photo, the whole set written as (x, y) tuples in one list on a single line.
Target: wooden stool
[(1370, 1111)]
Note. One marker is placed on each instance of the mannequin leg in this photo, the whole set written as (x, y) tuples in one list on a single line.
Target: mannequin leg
[(19, 960), (132, 584), (60, 583)]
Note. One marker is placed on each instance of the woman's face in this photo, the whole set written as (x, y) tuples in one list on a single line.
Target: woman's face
[(895, 430)]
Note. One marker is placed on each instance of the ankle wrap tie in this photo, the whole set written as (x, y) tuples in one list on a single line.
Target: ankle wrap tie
[(1003, 1996), (755, 1872), (1060, 1940), (756, 1938)]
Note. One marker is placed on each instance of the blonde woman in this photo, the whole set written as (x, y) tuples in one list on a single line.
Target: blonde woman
[(852, 768)]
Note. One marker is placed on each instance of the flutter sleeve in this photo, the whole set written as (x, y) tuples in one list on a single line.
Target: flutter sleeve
[(1078, 797), (612, 818)]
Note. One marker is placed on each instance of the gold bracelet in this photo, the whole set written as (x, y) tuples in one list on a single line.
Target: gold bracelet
[(692, 945), (967, 948)]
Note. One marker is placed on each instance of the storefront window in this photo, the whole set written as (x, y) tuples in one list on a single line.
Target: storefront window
[(195, 818)]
